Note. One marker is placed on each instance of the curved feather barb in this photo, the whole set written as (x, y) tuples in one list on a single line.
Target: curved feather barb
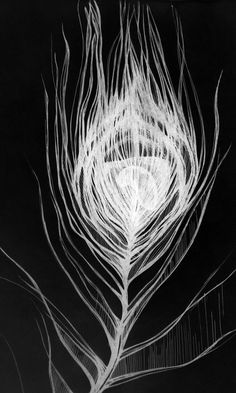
[(129, 176)]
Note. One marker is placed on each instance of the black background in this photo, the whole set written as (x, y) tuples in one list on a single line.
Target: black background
[(26, 29)]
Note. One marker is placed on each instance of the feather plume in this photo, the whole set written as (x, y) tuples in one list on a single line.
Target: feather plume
[(129, 177)]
